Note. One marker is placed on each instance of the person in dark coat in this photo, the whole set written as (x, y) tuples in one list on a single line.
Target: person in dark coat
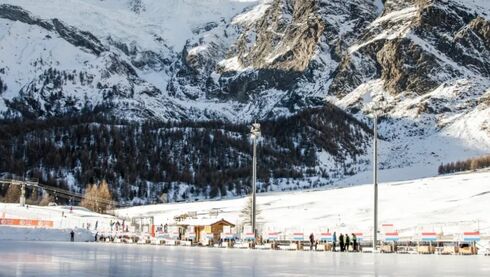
[(312, 241), (354, 242), (96, 236), (347, 242), (341, 242), (334, 241), (72, 236)]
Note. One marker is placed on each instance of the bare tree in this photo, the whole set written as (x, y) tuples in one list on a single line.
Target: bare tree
[(13, 194), (97, 197), (246, 212), (46, 199)]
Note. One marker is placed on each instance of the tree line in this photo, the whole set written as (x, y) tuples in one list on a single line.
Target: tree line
[(469, 164), (142, 160)]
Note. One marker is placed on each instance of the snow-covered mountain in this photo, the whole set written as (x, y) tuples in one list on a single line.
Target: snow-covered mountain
[(425, 62)]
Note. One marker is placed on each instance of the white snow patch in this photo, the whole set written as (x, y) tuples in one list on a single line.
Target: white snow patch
[(450, 204)]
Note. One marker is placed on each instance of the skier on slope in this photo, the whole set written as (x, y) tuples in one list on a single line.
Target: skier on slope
[(334, 240)]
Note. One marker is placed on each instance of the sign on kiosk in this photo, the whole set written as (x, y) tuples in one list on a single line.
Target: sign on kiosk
[(392, 236), (273, 236), (298, 236), (227, 234), (429, 236), (326, 237), (471, 236), (248, 233)]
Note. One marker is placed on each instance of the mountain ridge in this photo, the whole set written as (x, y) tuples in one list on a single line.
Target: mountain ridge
[(425, 62)]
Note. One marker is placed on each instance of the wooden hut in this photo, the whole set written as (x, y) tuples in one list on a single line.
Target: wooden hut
[(205, 228)]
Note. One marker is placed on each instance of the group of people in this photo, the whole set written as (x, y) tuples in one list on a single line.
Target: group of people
[(345, 242), (117, 225)]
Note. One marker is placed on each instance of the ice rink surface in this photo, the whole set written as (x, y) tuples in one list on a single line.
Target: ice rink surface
[(91, 259)]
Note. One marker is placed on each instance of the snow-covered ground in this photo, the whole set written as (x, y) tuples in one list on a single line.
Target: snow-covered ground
[(449, 204), (44, 234), (63, 222), (172, 20)]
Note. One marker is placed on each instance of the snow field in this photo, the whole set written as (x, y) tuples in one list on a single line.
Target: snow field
[(446, 204), (63, 223), (43, 234)]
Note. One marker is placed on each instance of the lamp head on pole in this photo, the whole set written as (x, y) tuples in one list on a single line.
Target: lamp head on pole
[(255, 130)]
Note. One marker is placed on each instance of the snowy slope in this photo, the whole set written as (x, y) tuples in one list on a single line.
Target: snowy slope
[(172, 20), (64, 222), (450, 204), (60, 215), (44, 234)]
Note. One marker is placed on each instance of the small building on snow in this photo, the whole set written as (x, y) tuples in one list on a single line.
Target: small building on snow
[(204, 226)]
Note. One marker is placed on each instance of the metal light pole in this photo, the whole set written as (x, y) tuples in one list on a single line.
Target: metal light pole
[(22, 198), (375, 181), (255, 131)]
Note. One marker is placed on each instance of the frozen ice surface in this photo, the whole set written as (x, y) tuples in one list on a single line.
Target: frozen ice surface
[(91, 259)]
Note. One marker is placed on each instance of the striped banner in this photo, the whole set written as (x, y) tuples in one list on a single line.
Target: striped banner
[(249, 236), (471, 236), (273, 236), (298, 236), (392, 236), (26, 222), (429, 236), (326, 237)]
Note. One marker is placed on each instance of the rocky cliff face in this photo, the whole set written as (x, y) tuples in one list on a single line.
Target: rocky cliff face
[(417, 49)]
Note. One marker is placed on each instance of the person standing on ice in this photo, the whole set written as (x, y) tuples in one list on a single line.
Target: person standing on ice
[(72, 236), (334, 241), (312, 241), (341, 242), (354, 242), (347, 242)]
